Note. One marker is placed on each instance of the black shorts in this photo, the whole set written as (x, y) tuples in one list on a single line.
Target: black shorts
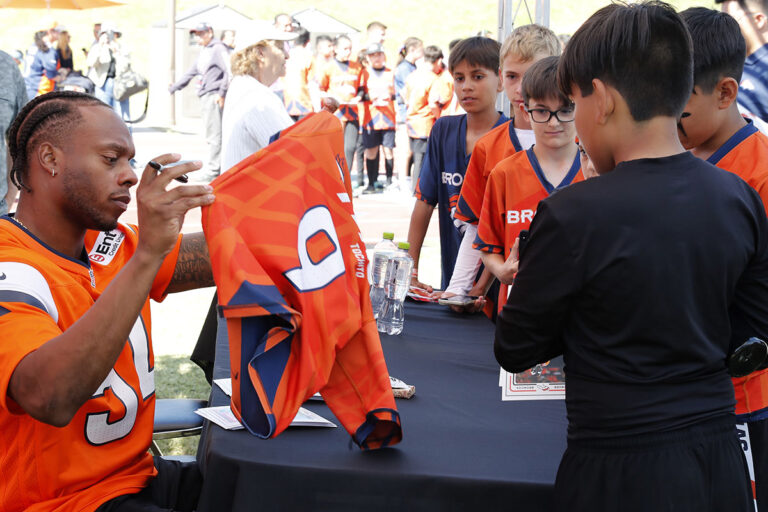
[(176, 487), (697, 469), (376, 138)]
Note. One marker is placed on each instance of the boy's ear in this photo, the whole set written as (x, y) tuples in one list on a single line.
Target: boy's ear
[(726, 89), (604, 101), (761, 21)]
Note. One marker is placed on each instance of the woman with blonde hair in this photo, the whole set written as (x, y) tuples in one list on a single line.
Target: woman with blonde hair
[(253, 113)]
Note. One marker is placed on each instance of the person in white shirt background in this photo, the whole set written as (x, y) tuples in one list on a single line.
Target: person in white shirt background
[(253, 113)]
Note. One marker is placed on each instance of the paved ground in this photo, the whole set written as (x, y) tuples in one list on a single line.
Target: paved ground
[(177, 321)]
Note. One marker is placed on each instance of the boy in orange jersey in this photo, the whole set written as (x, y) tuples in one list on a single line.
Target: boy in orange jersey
[(426, 98), (298, 70), (521, 49), (517, 183), (379, 123), (340, 80), (474, 66), (714, 130)]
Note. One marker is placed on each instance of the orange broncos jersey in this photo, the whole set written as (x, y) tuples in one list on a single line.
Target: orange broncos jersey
[(423, 93), (341, 80), (515, 187), (490, 149), (746, 155), (290, 267), (379, 113), (102, 453), (298, 70)]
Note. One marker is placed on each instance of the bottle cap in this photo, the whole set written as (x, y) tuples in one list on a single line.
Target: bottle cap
[(388, 236), (403, 245)]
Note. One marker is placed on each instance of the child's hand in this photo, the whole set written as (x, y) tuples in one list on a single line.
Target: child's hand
[(469, 309), (509, 269)]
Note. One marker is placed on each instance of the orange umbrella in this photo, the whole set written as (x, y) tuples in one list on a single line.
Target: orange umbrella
[(57, 4)]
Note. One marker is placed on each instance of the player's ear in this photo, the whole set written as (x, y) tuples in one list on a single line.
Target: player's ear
[(726, 89), (46, 155)]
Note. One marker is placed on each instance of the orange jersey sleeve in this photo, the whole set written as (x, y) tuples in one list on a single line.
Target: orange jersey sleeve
[(490, 149)]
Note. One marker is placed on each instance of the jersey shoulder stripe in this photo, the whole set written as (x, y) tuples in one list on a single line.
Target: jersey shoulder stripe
[(20, 282)]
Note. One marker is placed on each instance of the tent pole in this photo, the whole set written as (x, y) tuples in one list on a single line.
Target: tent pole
[(172, 63)]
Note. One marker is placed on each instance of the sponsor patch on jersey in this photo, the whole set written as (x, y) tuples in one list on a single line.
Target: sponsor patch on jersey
[(106, 246)]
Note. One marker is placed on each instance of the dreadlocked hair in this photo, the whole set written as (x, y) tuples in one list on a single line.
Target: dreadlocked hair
[(49, 117)]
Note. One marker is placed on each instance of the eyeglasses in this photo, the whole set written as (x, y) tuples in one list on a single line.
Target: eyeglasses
[(542, 115)]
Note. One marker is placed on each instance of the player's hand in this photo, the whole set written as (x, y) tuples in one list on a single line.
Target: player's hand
[(161, 209), (509, 269)]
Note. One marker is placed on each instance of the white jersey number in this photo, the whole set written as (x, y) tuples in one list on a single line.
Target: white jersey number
[(312, 275), (98, 429)]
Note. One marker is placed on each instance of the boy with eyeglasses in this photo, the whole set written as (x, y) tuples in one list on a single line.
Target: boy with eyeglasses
[(517, 183)]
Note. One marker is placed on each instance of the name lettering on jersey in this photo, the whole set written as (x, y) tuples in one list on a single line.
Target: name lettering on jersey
[(452, 178), (518, 216), (360, 260), (106, 246)]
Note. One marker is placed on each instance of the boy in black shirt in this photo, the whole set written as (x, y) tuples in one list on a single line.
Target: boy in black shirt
[(644, 278)]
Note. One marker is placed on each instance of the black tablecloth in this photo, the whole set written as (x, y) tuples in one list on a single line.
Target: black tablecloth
[(462, 449)]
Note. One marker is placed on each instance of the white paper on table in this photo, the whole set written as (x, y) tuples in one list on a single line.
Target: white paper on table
[(225, 385), (222, 416), (397, 383), (225, 418), (307, 418)]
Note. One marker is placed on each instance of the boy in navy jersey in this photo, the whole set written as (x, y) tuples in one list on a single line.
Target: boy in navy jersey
[(474, 65)]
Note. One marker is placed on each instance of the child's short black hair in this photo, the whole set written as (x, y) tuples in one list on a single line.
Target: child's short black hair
[(540, 82), (432, 54), (643, 50), (477, 51), (719, 49)]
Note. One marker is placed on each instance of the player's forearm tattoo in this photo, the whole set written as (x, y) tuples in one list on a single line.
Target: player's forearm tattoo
[(193, 267)]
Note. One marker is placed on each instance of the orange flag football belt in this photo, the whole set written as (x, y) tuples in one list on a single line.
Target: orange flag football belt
[(290, 268)]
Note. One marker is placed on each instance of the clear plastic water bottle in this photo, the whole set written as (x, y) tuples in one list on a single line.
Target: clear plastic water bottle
[(398, 279), (383, 251)]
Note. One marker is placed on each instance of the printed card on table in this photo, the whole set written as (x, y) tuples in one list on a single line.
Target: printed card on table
[(546, 384)]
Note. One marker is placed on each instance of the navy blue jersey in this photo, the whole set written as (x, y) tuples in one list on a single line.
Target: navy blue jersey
[(442, 175), (753, 89)]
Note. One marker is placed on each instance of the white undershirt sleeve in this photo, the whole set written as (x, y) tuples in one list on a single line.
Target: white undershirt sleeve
[(467, 263)]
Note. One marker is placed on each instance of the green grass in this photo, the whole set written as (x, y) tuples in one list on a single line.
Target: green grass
[(178, 377)]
